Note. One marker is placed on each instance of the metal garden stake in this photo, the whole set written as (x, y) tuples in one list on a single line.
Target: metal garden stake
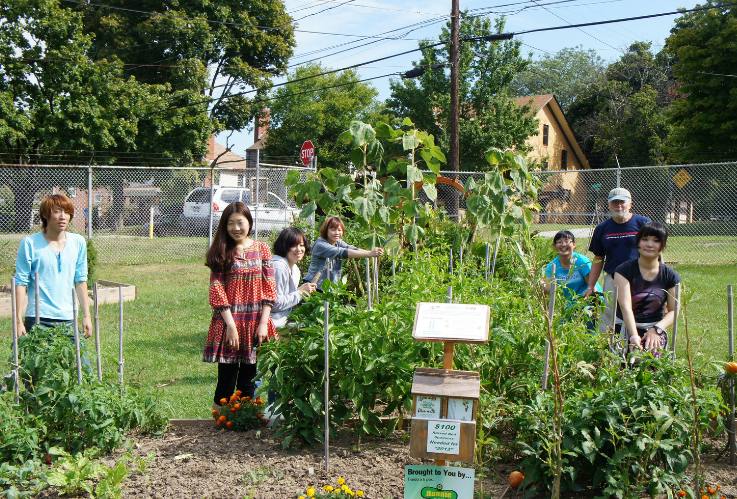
[(326, 339), (75, 327), (675, 320), (730, 333), (496, 251), (121, 360), (368, 283), (37, 297), (487, 263), (96, 306), (14, 318)]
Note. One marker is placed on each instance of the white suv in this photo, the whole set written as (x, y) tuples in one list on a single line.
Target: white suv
[(273, 214)]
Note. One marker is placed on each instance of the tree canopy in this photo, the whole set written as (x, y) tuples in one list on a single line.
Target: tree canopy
[(488, 115), (704, 114), (319, 108), (567, 74)]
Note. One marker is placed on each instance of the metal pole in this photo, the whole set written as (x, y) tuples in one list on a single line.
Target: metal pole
[(460, 257), (37, 298), (487, 263), (96, 306), (75, 327), (619, 171), (449, 295), (90, 209), (394, 267), (368, 283), (326, 338), (212, 198), (258, 199), (14, 327), (455, 26), (121, 360), (675, 320), (551, 312), (450, 265), (376, 279), (730, 333)]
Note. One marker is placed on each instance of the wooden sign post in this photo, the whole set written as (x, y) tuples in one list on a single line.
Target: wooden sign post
[(445, 402)]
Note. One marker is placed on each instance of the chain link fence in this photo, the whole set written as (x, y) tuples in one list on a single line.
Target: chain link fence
[(697, 202), (142, 215), (157, 215)]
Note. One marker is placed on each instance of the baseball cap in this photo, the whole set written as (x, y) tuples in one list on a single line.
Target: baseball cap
[(619, 194)]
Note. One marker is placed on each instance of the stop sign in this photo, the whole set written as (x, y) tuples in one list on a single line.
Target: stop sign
[(307, 152)]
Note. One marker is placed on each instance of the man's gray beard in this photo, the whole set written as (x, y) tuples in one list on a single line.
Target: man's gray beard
[(618, 216)]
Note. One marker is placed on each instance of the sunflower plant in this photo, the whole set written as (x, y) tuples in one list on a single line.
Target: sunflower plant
[(340, 489), (239, 413)]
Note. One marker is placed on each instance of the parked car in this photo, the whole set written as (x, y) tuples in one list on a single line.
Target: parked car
[(273, 214)]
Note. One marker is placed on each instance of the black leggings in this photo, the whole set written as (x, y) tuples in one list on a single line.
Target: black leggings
[(232, 377)]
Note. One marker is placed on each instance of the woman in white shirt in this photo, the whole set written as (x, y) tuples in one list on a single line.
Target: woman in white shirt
[(289, 249)]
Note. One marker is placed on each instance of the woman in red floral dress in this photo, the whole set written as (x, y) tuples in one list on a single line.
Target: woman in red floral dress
[(242, 291)]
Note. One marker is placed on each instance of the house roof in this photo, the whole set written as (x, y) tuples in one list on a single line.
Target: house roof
[(260, 144), (538, 102), (228, 161)]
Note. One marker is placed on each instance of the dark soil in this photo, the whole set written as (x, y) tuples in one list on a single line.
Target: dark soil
[(197, 459)]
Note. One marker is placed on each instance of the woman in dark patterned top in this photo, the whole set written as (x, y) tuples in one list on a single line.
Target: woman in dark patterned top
[(242, 292), (647, 291)]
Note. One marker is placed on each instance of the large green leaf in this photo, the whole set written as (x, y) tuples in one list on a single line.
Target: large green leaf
[(430, 191), (414, 174)]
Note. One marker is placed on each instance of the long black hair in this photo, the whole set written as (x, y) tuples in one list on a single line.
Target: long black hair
[(653, 229), (221, 254)]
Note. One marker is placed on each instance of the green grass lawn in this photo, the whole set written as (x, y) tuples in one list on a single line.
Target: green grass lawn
[(165, 327)]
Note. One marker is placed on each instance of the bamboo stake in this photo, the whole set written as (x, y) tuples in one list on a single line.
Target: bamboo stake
[(96, 306), (326, 339), (14, 318), (75, 327), (121, 359), (551, 312)]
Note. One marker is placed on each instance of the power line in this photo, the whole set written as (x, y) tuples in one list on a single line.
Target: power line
[(580, 29), (323, 10)]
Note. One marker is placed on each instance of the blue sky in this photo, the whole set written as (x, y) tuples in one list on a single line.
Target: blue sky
[(373, 17)]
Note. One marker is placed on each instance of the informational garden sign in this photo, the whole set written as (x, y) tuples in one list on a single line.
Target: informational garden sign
[(445, 482), (462, 322), (428, 407), (443, 437)]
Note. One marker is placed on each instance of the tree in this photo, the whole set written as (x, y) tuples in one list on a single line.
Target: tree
[(567, 74), (621, 117), (311, 109), (704, 115), (56, 101), (214, 48), (488, 116)]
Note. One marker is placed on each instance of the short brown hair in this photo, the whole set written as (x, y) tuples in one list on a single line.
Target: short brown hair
[(328, 223), (55, 201)]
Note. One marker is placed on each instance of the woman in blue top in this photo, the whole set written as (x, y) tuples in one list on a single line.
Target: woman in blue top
[(60, 259), (331, 247), (572, 269)]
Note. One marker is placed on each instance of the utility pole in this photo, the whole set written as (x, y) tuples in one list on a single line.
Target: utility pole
[(455, 27)]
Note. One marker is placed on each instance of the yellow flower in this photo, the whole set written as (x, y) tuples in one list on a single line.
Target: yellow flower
[(359, 493), (341, 480), (310, 491), (302, 497), (328, 488)]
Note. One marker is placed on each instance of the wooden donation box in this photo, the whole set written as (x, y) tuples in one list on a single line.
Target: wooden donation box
[(445, 402)]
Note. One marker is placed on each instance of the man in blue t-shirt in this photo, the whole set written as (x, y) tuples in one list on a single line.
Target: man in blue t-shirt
[(613, 243)]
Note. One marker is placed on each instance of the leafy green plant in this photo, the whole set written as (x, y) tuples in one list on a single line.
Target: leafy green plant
[(626, 432), (91, 262)]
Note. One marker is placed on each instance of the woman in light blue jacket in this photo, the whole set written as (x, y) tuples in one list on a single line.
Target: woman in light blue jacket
[(289, 249)]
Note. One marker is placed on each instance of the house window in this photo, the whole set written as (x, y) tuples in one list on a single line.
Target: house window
[(546, 129), (545, 164), (564, 159)]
